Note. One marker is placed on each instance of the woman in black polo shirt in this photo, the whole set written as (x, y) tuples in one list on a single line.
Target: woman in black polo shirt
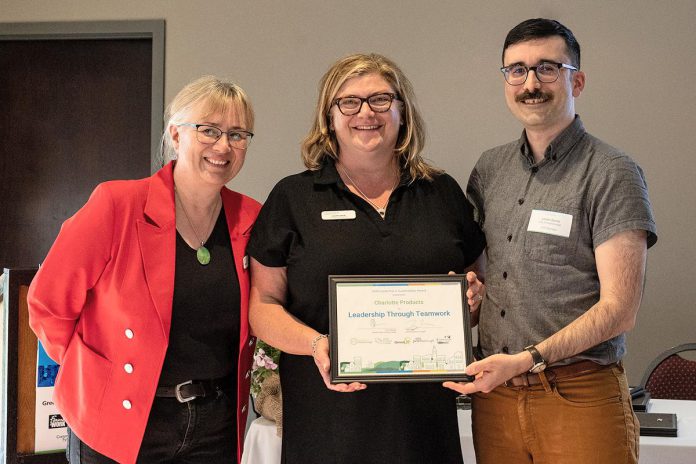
[(368, 204)]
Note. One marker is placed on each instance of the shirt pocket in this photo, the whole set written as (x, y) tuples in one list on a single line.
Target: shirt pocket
[(553, 249)]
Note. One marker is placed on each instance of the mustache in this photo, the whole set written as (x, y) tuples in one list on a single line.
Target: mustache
[(527, 95)]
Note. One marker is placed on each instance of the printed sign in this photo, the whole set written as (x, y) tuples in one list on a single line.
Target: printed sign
[(51, 433)]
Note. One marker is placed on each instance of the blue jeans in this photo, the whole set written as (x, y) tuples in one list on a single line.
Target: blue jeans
[(201, 431)]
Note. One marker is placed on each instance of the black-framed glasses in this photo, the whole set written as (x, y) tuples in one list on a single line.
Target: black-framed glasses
[(379, 103), (546, 72), (210, 134)]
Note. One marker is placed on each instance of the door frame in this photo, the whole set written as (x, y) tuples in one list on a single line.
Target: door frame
[(105, 30)]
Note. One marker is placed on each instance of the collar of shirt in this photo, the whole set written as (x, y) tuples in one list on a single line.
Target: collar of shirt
[(558, 148), (327, 174)]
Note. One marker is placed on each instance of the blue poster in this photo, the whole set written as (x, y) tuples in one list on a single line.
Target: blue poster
[(50, 430), (47, 369)]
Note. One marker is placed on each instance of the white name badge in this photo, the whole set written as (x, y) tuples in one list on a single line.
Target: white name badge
[(550, 222), (338, 215), (245, 262)]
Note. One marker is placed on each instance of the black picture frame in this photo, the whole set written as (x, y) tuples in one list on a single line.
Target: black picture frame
[(426, 367)]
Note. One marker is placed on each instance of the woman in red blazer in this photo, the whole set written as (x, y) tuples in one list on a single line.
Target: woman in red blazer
[(143, 298)]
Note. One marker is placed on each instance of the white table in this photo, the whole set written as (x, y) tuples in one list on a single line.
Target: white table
[(672, 450), (653, 450), (262, 445)]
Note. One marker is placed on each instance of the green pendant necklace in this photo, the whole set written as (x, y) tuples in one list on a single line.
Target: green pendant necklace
[(202, 253)]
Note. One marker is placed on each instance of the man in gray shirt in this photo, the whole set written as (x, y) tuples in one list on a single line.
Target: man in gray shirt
[(568, 223)]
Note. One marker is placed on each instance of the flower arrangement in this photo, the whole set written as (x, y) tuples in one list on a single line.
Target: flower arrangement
[(265, 364)]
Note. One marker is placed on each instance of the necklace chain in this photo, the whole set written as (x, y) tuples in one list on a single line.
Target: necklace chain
[(202, 253), (382, 210)]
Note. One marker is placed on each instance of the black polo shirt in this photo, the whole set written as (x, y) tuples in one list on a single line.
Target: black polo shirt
[(428, 229)]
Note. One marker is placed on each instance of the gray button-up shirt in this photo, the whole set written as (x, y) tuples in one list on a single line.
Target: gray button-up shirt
[(539, 282)]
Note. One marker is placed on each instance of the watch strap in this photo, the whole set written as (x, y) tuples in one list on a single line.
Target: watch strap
[(538, 360)]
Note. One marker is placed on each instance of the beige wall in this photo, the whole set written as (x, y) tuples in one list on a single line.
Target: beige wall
[(640, 93)]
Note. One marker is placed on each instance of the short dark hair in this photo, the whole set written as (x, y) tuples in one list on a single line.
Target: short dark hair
[(540, 28)]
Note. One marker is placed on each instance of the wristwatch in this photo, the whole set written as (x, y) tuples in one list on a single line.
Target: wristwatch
[(537, 358)]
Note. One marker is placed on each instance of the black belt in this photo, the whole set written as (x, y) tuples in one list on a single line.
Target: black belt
[(192, 389)]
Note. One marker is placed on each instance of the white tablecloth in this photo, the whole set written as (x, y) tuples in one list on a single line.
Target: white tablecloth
[(672, 450), (262, 445)]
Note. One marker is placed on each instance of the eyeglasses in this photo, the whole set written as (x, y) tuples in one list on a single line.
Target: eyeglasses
[(546, 72), (379, 103), (210, 134)]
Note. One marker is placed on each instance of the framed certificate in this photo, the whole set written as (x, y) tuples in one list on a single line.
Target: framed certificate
[(399, 328)]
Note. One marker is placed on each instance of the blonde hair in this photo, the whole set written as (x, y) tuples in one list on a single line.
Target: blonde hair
[(214, 95), (321, 141)]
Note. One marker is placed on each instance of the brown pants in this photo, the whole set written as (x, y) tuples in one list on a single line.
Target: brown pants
[(586, 419)]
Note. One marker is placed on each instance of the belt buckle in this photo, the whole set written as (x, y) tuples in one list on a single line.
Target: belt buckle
[(177, 392)]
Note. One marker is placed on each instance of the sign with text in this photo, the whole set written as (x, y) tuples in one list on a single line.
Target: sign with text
[(51, 432), (399, 328)]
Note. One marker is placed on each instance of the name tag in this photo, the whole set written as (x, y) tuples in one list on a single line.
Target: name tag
[(338, 215), (550, 222), (245, 262)]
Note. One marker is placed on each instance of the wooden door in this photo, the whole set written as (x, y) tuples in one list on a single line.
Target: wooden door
[(74, 112)]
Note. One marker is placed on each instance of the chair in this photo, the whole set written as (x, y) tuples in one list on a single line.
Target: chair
[(671, 376)]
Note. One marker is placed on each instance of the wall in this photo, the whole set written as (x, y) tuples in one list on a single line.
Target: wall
[(640, 96)]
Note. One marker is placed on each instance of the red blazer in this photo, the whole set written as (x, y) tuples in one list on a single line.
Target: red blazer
[(103, 299)]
